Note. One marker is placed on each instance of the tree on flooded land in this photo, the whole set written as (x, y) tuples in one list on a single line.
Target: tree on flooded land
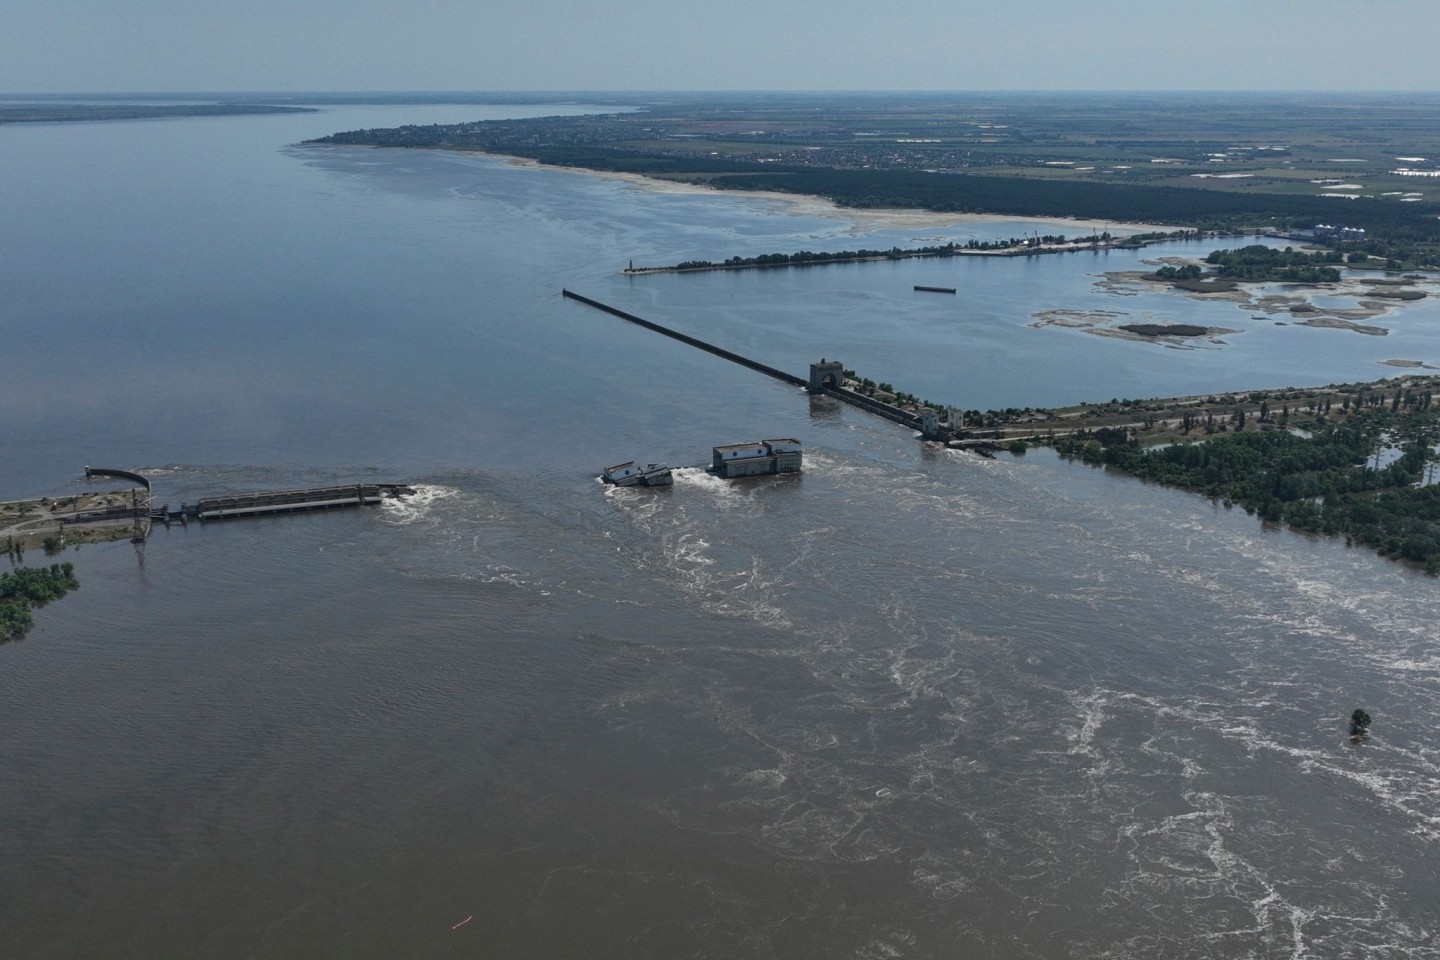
[(1323, 483), (1359, 723), (28, 587), (1257, 262), (1190, 271)]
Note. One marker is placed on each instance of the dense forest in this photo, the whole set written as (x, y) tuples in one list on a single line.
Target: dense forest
[(1267, 263), (1355, 476), (1021, 196), (971, 193), (28, 587)]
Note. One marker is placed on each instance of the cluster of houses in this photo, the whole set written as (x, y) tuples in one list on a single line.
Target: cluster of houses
[(1324, 231)]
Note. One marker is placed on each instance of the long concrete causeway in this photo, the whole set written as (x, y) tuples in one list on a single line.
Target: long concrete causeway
[(733, 357), (250, 504), (868, 404)]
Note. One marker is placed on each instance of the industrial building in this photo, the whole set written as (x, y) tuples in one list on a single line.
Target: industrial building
[(756, 458)]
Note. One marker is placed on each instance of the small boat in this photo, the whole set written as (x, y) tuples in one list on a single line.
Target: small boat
[(631, 474)]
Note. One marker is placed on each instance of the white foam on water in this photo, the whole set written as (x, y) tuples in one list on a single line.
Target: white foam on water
[(1402, 781), (1188, 856), (417, 506), (1091, 708), (724, 492), (751, 593), (1092, 767), (769, 779), (720, 578), (819, 461), (1431, 665), (642, 502), (891, 946), (494, 573)]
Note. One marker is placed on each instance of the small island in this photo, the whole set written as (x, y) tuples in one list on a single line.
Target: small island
[(1255, 264), (1288, 265), (1166, 329), (1013, 247)]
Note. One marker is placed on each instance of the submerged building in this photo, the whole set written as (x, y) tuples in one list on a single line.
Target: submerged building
[(756, 458)]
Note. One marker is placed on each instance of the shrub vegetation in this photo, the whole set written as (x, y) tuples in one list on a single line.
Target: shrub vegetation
[(28, 587)]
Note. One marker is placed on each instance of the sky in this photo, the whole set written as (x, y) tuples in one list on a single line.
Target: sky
[(501, 45)]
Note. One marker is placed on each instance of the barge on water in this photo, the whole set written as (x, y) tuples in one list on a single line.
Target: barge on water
[(756, 458)]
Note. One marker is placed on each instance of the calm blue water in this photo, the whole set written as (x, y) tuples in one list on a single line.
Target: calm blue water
[(909, 704)]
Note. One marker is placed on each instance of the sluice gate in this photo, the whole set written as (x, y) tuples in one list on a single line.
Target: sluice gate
[(141, 511), (292, 501)]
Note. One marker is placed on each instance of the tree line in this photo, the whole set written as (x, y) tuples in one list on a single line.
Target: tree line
[(571, 142), (1331, 482), (805, 257), (28, 587), (1257, 262)]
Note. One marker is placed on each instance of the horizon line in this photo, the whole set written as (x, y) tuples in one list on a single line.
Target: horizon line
[(561, 92)]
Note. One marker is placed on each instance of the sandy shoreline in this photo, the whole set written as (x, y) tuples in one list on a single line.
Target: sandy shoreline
[(809, 205)]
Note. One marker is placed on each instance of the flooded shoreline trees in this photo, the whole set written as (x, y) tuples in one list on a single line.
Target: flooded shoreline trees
[(1361, 476), (26, 588)]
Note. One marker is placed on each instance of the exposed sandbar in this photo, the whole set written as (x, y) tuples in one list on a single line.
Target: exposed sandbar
[(808, 205)]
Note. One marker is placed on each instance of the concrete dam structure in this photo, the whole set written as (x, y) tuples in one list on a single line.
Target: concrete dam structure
[(827, 377)]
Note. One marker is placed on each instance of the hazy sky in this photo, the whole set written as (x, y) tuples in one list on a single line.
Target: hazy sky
[(182, 45)]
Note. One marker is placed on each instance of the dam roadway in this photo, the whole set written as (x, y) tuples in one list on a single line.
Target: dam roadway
[(293, 501), (868, 404)]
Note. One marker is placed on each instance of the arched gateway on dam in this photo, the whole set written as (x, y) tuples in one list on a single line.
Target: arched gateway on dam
[(826, 373)]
